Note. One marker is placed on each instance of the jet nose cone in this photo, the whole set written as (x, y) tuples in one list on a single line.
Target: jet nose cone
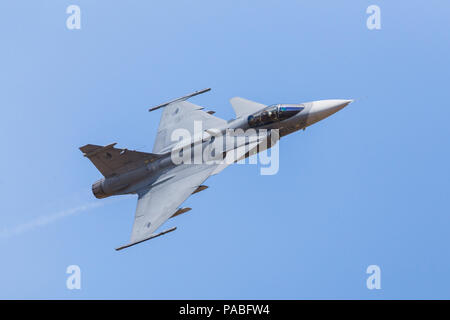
[(330, 106), (325, 108), (345, 103)]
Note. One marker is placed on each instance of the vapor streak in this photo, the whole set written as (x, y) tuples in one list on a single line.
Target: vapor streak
[(45, 220)]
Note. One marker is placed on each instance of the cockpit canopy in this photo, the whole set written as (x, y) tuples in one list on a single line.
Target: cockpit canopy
[(273, 113)]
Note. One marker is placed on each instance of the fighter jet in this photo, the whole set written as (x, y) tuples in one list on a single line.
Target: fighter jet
[(162, 184)]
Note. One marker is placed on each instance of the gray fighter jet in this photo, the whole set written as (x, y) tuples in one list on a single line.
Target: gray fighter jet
[(162, 184)]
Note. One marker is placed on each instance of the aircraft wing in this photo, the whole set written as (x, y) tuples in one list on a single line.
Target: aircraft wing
[(159, 202), (183, 115)]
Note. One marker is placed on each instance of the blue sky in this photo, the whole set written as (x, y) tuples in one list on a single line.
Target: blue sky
[(369, 185)]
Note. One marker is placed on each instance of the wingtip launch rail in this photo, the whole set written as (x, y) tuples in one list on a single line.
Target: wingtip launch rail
[(180, 99), (151, 237)]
